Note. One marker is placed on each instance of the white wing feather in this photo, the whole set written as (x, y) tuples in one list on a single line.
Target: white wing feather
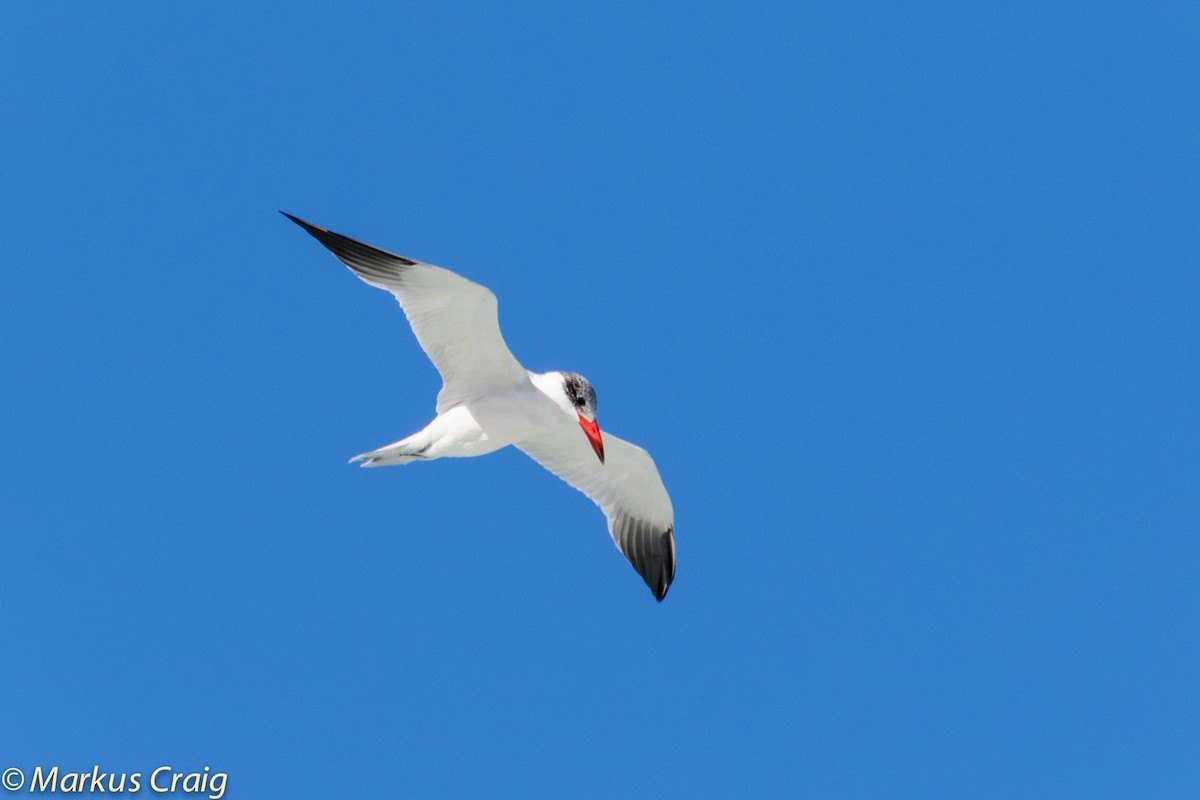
[(455, 320), (628, 489)]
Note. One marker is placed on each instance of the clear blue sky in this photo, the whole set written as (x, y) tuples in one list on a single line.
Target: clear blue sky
[(903, 302)]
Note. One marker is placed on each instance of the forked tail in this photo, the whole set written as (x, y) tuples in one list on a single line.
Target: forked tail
[(404, 451)]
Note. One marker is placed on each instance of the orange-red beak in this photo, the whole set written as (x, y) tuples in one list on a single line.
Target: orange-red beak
[(593, 433)]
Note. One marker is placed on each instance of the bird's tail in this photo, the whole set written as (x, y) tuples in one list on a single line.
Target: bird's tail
[(404, 451)]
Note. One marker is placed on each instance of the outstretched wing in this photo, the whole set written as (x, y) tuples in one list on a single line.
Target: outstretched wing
[(628, 490), (454, 319)]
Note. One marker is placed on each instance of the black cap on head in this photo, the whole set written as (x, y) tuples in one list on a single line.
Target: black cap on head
[(580, 393)]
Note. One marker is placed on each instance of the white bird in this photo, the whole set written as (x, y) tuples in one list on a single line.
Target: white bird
[(489, 401)]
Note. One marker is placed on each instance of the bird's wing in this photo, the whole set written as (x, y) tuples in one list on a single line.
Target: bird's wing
[(628, 490), (453, 318)]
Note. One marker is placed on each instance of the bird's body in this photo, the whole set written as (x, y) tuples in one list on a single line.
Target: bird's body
[(482, 425), (489, 401)]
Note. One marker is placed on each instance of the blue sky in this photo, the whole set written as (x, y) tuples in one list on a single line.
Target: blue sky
[(902, 301)]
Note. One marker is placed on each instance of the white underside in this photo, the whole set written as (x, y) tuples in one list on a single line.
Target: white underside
[(477, 427)]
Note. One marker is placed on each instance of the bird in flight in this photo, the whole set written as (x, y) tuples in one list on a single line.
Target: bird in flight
[(489, 401)]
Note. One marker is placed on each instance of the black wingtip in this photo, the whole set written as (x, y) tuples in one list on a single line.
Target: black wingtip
[(363, 258), (325, 236), (666, 572), (669, 567), (308, 226)]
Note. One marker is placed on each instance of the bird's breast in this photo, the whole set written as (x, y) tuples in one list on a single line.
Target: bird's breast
[(514, 414)]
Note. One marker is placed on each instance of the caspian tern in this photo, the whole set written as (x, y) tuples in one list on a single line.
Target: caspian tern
[(489, 401)]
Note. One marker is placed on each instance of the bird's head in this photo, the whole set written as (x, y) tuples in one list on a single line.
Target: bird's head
[(583, 399)]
